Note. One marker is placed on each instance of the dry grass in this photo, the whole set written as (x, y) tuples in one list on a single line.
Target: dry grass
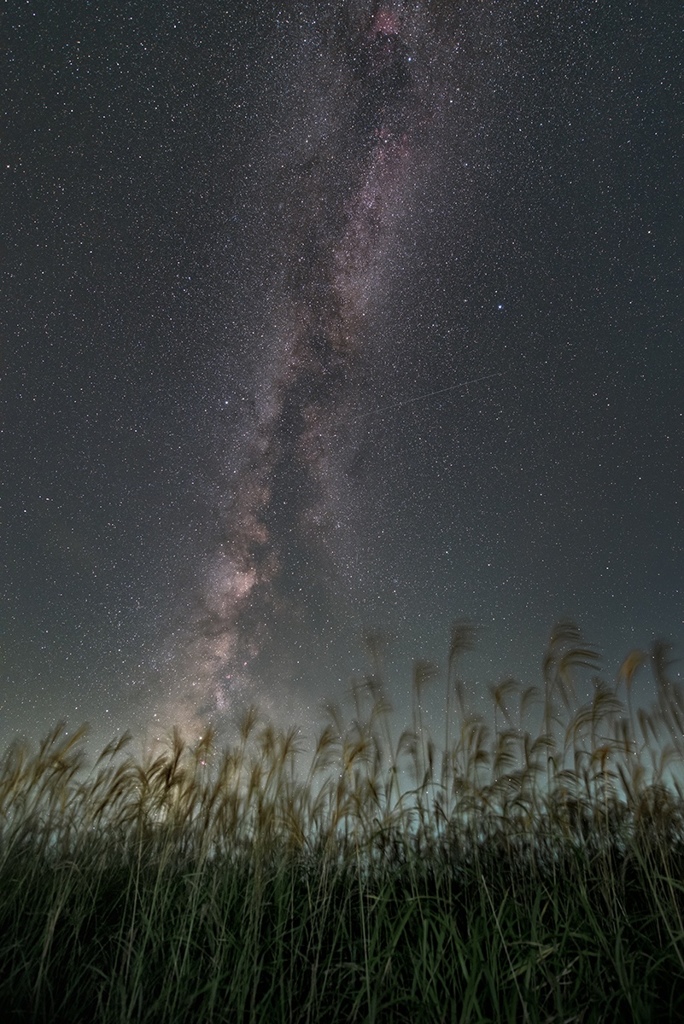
[(528, 868)]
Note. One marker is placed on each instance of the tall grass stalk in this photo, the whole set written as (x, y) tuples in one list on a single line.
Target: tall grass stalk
[(530, 870)]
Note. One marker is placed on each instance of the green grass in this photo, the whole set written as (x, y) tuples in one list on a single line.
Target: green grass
[(525, 868)]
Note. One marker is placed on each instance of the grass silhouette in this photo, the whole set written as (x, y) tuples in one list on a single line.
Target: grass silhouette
[(529, 868)]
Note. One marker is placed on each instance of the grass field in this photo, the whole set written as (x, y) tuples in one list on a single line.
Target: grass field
[(529, 867)]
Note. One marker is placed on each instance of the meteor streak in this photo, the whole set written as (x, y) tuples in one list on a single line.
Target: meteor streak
[(427, 394)]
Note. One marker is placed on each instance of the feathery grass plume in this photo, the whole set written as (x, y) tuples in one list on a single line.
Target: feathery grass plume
[(536, 876)]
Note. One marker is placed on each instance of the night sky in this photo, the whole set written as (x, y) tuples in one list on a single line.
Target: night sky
[(324, 317)]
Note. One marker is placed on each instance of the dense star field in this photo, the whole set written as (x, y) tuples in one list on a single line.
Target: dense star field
[(326, 317)]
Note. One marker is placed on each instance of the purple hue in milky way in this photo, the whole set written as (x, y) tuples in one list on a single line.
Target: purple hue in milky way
[(326, 316), (311, 387)]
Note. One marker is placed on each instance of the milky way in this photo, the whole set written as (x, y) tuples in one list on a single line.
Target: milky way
[(291, 498)]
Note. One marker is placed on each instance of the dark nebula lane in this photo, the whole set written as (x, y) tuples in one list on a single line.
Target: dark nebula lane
[(342, 209)]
